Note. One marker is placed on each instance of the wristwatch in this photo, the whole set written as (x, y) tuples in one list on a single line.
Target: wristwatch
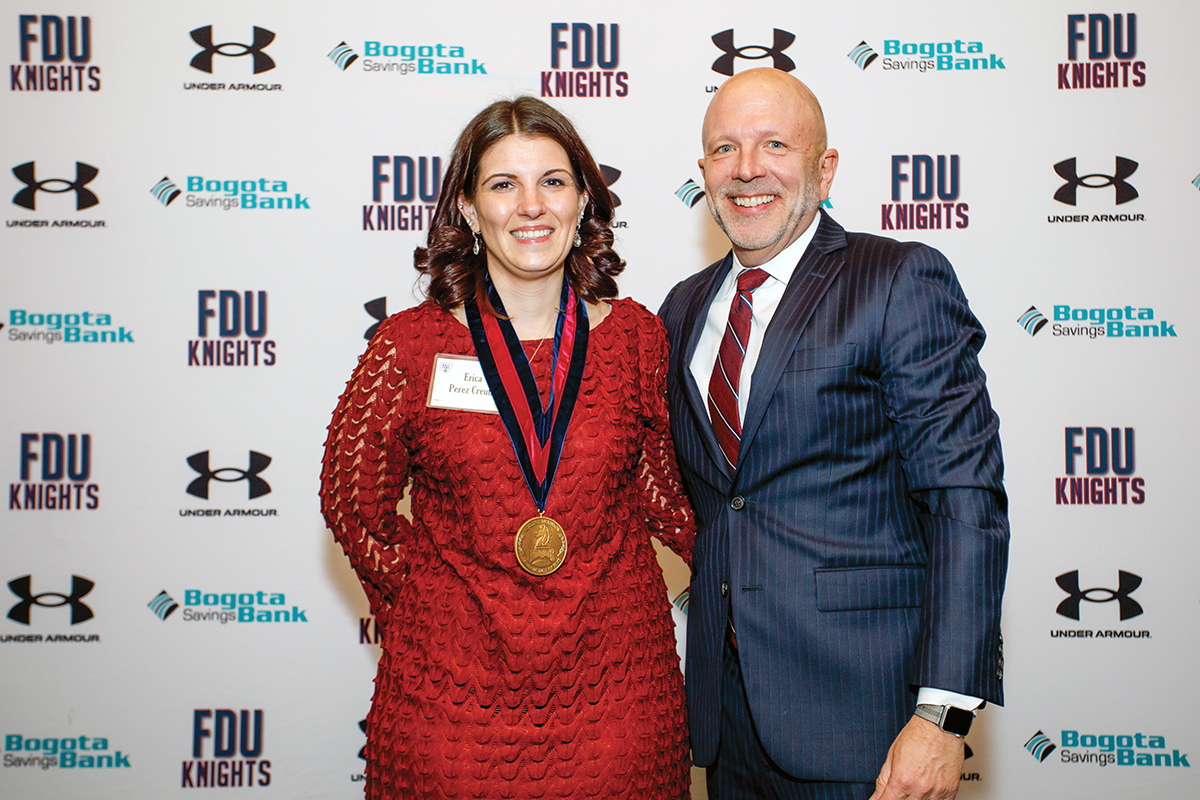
[(951, 719)]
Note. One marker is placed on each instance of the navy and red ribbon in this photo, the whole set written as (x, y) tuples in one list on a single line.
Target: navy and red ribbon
[(537, 432)]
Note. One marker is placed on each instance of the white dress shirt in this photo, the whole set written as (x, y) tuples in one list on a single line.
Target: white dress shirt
[(766, 299)]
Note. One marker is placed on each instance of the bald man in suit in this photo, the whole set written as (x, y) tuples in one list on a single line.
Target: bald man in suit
[(836, 438)]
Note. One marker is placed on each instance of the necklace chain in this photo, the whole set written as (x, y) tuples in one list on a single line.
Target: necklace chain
[(542, 341)]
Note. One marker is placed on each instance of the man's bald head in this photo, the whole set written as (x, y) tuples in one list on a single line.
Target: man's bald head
[(774, 89)]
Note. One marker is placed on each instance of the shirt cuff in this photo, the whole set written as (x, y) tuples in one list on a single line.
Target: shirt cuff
[(941, 697)]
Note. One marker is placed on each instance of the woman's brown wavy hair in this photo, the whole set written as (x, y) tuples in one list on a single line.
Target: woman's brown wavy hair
[(454, 272)]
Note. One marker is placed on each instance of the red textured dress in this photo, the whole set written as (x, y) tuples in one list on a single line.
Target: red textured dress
[(494, 683)]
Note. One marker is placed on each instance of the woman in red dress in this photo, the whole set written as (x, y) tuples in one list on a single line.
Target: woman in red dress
[(528, 649)]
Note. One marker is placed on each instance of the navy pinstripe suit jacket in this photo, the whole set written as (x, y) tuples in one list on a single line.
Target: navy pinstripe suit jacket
[(862, 543)]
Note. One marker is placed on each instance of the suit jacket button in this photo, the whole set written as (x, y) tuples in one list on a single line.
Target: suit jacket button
[(724, 588), (737, 503)]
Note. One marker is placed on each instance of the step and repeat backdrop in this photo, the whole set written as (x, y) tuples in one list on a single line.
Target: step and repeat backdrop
[(208, 207)]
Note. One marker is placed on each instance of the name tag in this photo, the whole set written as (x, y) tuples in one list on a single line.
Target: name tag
[(457, 383)]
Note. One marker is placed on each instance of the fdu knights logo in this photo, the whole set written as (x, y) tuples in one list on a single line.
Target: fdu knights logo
[(239, 322), (55, 474), (212, 59), (1101, 53), (927, 57), (932, 184), (584, 61), (404, 193), (1100, 468), (227, 750), (56, 55)]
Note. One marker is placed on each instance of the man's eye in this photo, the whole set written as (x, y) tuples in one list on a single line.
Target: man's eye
[(725, 148), (775, 144)]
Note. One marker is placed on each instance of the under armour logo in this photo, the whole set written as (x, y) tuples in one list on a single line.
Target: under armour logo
[(203, 60), (610, 176), (84, 174), (1127, 582), (21, 587), (258, 487), (1067, 171), (377, 308), (724, 41)]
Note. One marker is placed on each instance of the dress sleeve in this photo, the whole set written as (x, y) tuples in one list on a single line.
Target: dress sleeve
[(365, 471), (667, 511)]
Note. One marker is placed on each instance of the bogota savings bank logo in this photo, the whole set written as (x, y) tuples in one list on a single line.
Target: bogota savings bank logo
[(1127, 322), (583, 61), (926, 57), (231, 60), (56, 55), (223, 194), (87, 327), (225, 607), (73, 752), (402, 60), (1101, 750)]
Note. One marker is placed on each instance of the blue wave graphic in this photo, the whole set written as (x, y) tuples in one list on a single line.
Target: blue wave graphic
[(165, 191), (690, 193), (862, 55), (343, 56)]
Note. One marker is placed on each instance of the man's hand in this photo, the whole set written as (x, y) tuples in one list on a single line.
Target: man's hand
[(924, 763)]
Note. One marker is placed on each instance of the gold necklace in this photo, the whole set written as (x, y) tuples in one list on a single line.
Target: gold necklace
[(542, 341)]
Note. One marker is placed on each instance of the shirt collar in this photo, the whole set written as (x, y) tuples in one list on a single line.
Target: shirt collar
[(784, 263)]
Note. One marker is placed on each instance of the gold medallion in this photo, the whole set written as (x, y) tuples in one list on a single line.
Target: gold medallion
[(541, 546)]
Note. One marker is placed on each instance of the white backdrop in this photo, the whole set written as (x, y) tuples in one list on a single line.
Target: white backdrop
[(115, 705)]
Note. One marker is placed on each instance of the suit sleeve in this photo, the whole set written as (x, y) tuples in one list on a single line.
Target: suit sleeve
[(948, 439), (365, 472), (664, 503)]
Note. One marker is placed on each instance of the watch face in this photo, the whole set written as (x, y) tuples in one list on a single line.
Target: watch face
[(957, 721)]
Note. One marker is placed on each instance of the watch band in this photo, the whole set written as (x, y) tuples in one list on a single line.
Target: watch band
[(951, 719)]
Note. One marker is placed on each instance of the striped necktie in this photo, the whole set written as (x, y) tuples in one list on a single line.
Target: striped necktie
[(727, 373)]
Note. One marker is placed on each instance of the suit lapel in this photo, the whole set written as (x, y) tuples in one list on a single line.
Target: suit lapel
[(818, 267), (693, 325)]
